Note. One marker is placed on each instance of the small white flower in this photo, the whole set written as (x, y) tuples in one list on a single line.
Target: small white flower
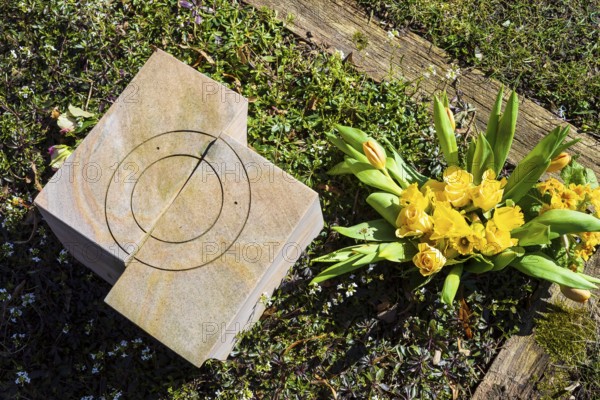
[(4, 295), (340, 54), (13, 54), (265, 299), (314, 289), (14, 313), (66, 328), (351, 289), (95, 369), (146, 354), (27, 299), (22, 378), (453, 72), (36, 259), (340, 286), (123, 343)]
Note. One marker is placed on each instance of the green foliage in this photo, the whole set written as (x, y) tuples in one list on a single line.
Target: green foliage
[(547, 50)]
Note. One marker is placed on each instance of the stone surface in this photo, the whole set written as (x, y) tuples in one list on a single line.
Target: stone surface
[(164, 200), (166, 95)]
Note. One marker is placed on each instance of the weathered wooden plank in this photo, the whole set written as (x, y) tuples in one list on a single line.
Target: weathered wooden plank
[(343, 25)]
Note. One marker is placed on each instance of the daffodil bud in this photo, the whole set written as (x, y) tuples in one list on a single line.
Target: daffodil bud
[(375, 154), (578, 295), (559, 162)]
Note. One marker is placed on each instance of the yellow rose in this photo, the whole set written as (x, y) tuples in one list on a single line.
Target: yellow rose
[(497, 239), (412, 196), (559, 162), (429, 260), (508, 218), (447, 222), (413, 221), (489, 192), (458, 185)]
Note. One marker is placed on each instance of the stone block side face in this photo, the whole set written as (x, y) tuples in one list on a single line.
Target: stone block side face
[(166, 95), (197, 312)]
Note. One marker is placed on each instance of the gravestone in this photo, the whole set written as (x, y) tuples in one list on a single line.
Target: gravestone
[(164, 200)]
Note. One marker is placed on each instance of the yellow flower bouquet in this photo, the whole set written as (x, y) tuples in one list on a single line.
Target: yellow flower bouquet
[(473, 220)]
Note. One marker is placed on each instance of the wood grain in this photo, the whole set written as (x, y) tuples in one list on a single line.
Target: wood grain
[(338, 24)]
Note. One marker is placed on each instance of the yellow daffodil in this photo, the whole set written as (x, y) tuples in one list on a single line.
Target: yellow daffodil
[(434, 190), (551, 185), (559, 162), (458, 185), (448, 222), (497, 239), (489, 192), (412, 196), (508, 218), (429, 260), (464, 245), (413, 221)]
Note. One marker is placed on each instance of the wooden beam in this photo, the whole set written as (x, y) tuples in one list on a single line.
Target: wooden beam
[(343, 25)]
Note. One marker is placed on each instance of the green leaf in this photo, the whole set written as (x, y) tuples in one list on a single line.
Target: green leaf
[(533, 234), (354, 137), (527, 174), (562, 222), (341, 168), (504, 259), (479, 265), (345, 253), (579, 175), (397, 173), (492, 126), (540, 266), (346, 148), (470, 155), (444, 132), (483, 158), (506, 132), (371, 176), (451, 284), (405, 170), (346, 266), (397, 251), (378, 230), (386, 204), (78, 112)]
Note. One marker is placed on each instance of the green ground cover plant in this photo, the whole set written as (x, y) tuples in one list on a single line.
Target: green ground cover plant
[(368, 337), (548, 50)]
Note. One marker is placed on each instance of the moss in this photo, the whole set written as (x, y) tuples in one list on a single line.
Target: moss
[(360, 40), (564, 333)]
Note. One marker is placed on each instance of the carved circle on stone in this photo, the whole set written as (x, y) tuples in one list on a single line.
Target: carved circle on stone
[(178, 200)]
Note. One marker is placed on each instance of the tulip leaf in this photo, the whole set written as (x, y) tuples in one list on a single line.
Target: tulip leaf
[(386, 204), (445, 132), (346, 148), (378, 230), (492, 126), (561, 222), (405, 170), (503, 259), (341, 168), (371, 176), (397, 251), (533, 234), (354, 137), (506, 132), (540, 266), (483, 158), (397, 173), (527, 174), (345, 253), (470, 155), (346, 266), (451, 284)]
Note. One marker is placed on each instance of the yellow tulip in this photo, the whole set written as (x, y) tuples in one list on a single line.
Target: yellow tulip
[(375, 154), (559, 162), (489, 192), (508, 218), (429, 260), (413, 221), (450, 117), (578, 295), (458, 185)]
